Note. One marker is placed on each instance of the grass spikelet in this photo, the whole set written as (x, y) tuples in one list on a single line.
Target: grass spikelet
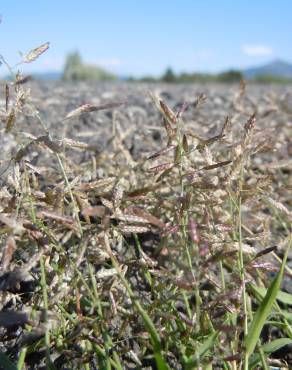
[(279, 206), (101, 183), (168, 113), (34, 54), (7, 97), (88, 108), (8, 253), (133, 229), (193, 230), (200, 100), (131, 218), (162, 151), (161, 167), (10, 120), (148, 217)]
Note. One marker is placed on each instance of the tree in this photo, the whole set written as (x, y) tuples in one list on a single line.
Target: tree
[(73, 65), (76, 70), (230, 76), (168, 76)]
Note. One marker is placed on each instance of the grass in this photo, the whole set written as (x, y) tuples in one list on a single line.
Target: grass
[(162, 262)]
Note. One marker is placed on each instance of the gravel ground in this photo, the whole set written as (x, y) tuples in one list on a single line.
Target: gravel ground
[(272, 104)]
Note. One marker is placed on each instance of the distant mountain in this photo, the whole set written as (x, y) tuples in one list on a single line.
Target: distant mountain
[(40, 76), (54, 76), (277, 68)]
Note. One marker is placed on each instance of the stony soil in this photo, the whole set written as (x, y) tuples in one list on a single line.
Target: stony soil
[(140, 119)]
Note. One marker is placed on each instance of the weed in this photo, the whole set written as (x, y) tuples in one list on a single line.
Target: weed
[(160, 262)]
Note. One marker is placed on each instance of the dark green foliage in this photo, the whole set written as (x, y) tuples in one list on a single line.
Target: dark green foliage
[(230, 76), (76, 70), (169, 76), (196, 77), (272, 79)]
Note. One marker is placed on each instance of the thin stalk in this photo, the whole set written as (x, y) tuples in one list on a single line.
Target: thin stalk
[(32, 208), (46, 306), (10, 69), (101, 353), (241, 268), (155, 339), (145, 269), (287, 268), (60, 162), (263, 357), (184, 232), (187, 305), (222, 275), (75, 208), (21, 359)]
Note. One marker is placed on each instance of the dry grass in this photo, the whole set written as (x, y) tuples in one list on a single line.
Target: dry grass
[(161, 262)]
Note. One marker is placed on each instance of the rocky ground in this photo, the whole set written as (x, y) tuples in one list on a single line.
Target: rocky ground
[(139, 120)]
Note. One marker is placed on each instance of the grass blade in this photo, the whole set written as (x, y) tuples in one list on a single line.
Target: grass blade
[(283, 297), (269, 348), (264, 309), (201, 352)]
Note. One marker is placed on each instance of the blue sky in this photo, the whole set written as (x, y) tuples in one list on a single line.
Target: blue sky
[(144, 37)]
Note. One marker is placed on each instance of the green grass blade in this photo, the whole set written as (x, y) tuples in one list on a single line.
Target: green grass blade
[(102, 358), (21, 359), (287, 315), (283, 297), (269, 348), (201, 352), (276, 344), (154, 336), (264, 309), (155, 339)]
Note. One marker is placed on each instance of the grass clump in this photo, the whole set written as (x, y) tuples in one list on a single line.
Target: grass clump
[(161, 262)]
